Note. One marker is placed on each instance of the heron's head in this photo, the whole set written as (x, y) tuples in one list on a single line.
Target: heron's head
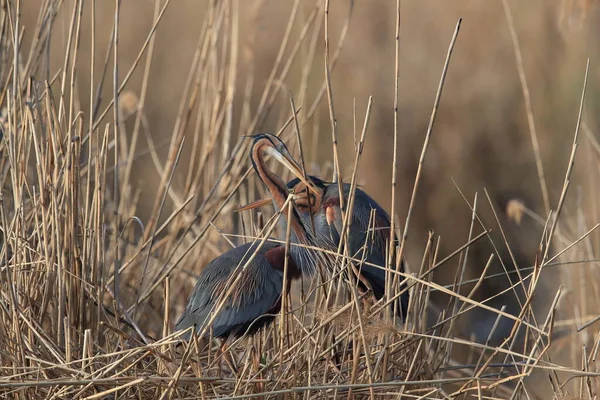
[(305, 199), (269, 144)]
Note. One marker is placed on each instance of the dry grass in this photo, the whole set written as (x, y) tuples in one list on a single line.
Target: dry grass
[(94, 269)]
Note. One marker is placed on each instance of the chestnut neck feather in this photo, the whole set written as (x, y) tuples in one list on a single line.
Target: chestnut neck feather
[(275, 185), (276, 258)]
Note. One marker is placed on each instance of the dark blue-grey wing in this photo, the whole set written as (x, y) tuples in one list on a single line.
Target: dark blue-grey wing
[(377, 249), (257, 292), (364, 205)]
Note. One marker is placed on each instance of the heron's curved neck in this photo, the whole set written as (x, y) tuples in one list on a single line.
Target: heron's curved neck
[(277, 189)]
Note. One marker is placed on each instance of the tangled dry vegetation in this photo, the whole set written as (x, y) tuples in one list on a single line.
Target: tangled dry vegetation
[(89, 292)]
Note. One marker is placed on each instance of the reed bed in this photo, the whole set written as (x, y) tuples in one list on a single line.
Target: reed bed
[(89, 291)]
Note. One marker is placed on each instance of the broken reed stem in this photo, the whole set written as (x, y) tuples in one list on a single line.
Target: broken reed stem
[(436, 105), (116, 191), (528, 105), (392, 244), (337, 175), (284, 289), (133, 67), (139, 111), (570, 165)]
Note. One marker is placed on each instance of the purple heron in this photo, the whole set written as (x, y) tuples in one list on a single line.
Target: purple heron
[(369, 231), (256, 299)]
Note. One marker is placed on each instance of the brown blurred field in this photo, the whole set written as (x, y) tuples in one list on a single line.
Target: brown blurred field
[(481, 140)]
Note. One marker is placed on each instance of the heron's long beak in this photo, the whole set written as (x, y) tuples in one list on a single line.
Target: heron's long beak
[(294, 168), (254, 204)]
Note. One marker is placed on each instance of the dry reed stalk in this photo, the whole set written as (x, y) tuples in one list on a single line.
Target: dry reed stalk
[(80, 316)]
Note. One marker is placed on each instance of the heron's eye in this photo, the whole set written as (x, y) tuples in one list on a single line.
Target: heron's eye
[(292, 191)]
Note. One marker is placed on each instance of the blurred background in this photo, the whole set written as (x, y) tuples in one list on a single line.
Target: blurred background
[(482, 138)]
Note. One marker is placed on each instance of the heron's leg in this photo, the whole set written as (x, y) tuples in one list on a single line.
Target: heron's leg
[(365, 282), (260, 386), (227, 356)]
